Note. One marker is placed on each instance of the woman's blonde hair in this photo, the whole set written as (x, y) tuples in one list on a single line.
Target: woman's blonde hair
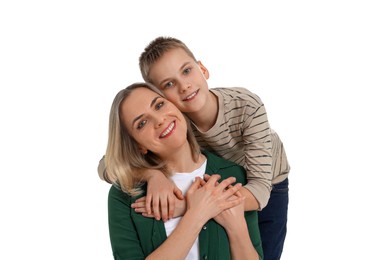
[(124, 161)]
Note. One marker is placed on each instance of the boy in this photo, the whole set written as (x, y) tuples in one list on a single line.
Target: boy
[(231, 122)]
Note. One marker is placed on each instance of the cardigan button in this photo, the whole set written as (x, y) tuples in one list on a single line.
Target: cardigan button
[(204, 228), (205, 257)]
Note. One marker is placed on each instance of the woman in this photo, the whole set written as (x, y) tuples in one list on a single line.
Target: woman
[(148, 132)]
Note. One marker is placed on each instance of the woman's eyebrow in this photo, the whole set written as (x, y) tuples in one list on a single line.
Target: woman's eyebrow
[(154, 101), (151, 105)]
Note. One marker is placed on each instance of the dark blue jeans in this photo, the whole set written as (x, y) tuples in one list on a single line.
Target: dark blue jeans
[(273, 221)]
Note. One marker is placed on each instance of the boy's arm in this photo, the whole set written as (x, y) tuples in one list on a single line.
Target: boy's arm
[(161, 192), (258, 152), (251, 202), (161, 195)]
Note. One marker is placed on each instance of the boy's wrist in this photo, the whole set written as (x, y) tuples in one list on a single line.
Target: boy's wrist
[(149, 174)]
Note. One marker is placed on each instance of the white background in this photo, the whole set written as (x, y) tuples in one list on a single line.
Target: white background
[(321, 68)]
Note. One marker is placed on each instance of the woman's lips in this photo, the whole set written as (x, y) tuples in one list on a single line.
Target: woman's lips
[(168, 130)]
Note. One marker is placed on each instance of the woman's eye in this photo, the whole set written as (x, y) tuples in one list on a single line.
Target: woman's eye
[(159, 105), (141, 124), (187, 71)]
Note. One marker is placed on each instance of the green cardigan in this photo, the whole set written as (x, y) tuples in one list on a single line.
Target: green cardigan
[(135, 237)]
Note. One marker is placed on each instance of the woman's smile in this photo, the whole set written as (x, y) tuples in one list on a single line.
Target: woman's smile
[(168, 131)]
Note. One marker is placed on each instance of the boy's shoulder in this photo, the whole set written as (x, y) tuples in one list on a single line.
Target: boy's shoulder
[(237, 93), (233, 90)]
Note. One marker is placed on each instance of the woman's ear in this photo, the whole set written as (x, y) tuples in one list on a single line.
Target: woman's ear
[(204, 70), (143, 150)]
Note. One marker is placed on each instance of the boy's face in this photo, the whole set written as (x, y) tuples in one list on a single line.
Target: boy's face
[(182, 79)]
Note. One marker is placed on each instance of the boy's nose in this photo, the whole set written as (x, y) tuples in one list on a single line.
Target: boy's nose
[(184, 86)]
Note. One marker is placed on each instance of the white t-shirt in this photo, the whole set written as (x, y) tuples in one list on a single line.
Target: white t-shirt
[(183, 181)]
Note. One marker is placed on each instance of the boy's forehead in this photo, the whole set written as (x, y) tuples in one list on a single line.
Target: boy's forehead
[(176, 53), (170, 62)]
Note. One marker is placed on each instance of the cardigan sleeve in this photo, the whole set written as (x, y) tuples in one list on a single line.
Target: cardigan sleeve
[(123, 234)]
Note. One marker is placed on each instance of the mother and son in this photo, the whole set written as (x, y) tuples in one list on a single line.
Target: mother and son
[(196, 173)]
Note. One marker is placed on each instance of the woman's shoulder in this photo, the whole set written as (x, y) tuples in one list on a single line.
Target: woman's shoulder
[(223, 167), (116, 193)]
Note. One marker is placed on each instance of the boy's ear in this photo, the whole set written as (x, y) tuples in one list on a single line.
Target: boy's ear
[(204, 70)]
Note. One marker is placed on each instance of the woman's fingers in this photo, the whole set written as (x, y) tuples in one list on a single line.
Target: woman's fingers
[(231, 203), (212, 181), (206, 177), (225, 183), (194, 186)]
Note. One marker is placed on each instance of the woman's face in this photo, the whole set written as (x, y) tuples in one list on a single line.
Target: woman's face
[(154, 122)]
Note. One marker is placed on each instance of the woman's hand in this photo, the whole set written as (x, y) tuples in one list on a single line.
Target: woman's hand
[(161, 195), (230, 218), (210, 199)]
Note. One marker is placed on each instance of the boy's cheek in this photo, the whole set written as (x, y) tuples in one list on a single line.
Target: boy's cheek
[(172, 98)]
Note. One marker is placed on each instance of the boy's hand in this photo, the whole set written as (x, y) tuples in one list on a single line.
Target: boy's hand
[(161, 195), (139, 207)]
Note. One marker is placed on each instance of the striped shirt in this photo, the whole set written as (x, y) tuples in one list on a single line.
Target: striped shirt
[(243, 135)]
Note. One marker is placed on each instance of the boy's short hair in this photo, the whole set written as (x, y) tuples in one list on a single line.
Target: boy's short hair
[(155, 50)]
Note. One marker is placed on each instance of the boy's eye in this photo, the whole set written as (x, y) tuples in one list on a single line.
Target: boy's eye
[(187, 71), (169, 84), (141, 124), (159, 105)]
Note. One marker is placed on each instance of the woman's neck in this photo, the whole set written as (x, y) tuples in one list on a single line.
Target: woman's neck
[(182, 160)]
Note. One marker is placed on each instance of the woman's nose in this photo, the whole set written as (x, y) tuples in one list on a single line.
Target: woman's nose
[(159, 119)]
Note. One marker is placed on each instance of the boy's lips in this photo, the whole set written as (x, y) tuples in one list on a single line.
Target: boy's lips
[(191, 96), (168, 130)]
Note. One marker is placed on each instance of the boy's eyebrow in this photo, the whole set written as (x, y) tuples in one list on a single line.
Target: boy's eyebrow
[(151, 104), (181, 68), (185, 64)]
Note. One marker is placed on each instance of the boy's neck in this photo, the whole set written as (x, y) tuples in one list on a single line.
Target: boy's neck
[(205, 118)]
